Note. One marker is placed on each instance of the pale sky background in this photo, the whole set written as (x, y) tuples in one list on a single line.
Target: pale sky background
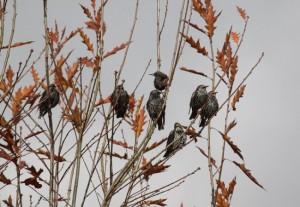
[(268, 115)]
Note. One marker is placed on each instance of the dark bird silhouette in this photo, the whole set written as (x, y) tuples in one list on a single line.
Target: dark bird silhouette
[(160, 80), (155, 107), (49, 100), (198, 99), (209, 109), (119, 101), (179, 136)]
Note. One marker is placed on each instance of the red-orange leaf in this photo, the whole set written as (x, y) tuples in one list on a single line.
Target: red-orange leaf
[(235, 37), (17, 44), (9, 76), (195, 45), (159, 202), (125, 156), (35, 75), (150, 169), (47, 154), (141, 122), (248, 173), (86, 41), (211, 159), (103, 101), (237, 96), (122, 144), (154, 145), (131, 103), (33, 180), (192, 71), (4, 179), (116, 49), (232, 145), (87, 12), (230, 126), (233, 70), (242, 13)]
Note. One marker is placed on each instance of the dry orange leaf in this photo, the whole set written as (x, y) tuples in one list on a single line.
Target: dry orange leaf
[(195, 45), (86, 41), (131, 103), (9, 76), (232, 145), (248, 173), (116, 49), (35, 75), (125, 156), (230, 126), (87, 12), (239, 94), (235, 37), (17, 44), (122, 144), (211, 159), (233, 70), (192, 71), (47, 154), (159, 202), (103, 101), (33, 180), (242, 13), (4, 179), (154, 145), (141, 122)]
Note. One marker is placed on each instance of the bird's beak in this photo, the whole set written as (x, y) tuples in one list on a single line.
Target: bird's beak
[(205, 86), (215, 92), (151, 74)]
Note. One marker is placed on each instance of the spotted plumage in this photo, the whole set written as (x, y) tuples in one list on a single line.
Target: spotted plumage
[(119, 101), (209, 109), (179, 136), (49, 100), (198, 99), (160, 80), (155, 107)]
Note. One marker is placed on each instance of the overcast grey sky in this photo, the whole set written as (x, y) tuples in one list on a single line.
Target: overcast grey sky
[(268, 115)]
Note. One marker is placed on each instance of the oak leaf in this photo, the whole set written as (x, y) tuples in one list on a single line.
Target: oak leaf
[(248, 173), (232, 145), (195, 45), (242, 13), (239, 94), (4, 179), (116, 49)]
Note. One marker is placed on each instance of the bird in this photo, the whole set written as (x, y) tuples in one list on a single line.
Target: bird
[(198, 99), (119, 101), (155, 108), (49, 100), (160, 80), (177, 137), (209, 109)]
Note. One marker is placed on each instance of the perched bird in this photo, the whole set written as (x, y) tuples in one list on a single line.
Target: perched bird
[(160, 80), (119, 101), (49, 100), (198, 99), (209, 109), (155, 107), (179, 136)]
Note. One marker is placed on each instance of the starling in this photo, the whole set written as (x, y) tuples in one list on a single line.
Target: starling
[(119, 100), (210, 108), (178, 135), (154, 108), (160, 80), (49, 100), (198, 99)]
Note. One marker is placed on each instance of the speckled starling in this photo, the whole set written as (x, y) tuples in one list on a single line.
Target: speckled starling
[(198, 99), (210, 108), (160, 80), (178, 135), (119, 101), (154, 107), (49, 100)]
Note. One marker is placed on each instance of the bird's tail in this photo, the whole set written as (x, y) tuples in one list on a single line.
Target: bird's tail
[(193, 115), (202, 123)]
